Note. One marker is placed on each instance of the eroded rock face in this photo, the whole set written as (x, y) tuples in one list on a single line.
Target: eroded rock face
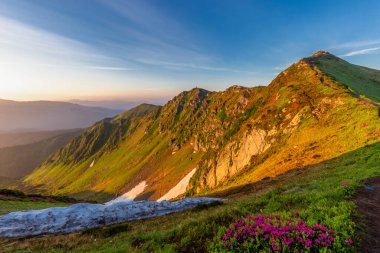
[(293, 124), (84, 216), (236, 156)]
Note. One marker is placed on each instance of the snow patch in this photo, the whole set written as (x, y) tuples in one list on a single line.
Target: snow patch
[(131, 195), (92, 164), (84, 216), (180, 188)]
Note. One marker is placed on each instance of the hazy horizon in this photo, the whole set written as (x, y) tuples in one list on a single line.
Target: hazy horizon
[(116, 105)]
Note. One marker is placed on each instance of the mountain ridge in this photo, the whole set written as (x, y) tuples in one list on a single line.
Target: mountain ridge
[(238, 134)]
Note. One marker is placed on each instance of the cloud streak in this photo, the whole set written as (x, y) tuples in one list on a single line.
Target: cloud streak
[(21, 43), (143, 34), (357, 44), (175, 65), (36, 63), (362, 52), (109, 68)]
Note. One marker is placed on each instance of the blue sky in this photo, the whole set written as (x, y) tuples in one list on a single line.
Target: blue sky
[(112, 49)]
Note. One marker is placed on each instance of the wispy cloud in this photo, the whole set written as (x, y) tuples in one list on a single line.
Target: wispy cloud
[(356, 44), (109, 68), (150, 19), (38, 63), (362, 51), (24, 44), (176, 65), (150, 32)]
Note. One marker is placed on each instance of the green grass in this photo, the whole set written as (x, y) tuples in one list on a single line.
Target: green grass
[(362, 80), (314, 190), (7, 206)]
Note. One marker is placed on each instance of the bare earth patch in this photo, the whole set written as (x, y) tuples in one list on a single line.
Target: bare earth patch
[(368, 202)]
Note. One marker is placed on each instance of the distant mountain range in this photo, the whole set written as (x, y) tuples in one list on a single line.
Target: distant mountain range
[(47, 115), (319, 108), (31, 131), (117, 104)]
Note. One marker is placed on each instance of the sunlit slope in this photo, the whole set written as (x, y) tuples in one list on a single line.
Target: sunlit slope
[(239, 135), (158, 145), (330, 120), (361, 80), (115, 155), (315, 190)]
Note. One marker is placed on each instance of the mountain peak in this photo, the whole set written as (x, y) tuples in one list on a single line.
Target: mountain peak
[(362, 81), (197, 90), (321, 56), (321, 53)]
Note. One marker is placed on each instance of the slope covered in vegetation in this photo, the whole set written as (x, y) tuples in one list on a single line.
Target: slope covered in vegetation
[(320, 193), (306, 115), (361, 80)]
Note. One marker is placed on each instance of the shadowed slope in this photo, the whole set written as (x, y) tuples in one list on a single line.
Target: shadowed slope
[(19, 161)]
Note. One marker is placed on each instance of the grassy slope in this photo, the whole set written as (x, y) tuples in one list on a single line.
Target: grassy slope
[(139, 155), (314, 190), (132, 149), (92, 146), (318, 141), (7, 206), (332, 122), (363, 81), (14, 200), (141, 152)]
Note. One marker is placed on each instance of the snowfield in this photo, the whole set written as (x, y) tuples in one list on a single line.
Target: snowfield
[(84, 216), (180, 188), (131, 195)]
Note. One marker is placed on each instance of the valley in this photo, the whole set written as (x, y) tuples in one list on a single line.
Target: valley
[(26, 151), (32, 131)]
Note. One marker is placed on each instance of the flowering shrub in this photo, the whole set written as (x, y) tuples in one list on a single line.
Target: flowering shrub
[(374, 133), (274, 234)]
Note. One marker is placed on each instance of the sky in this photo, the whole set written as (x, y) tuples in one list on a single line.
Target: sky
[(138, 49)]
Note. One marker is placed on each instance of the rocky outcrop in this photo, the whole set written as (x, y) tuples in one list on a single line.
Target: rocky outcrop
[(235, 157)]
